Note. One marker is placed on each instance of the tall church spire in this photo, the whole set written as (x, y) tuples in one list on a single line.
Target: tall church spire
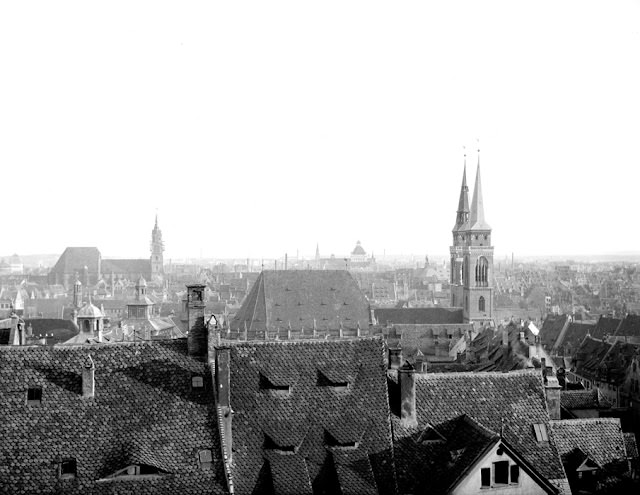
[(462, 215), (476, 216)]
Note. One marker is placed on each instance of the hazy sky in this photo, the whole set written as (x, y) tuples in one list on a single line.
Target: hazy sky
[(259, 128)]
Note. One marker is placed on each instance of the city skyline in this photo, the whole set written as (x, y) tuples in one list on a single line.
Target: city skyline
[(258, 130)]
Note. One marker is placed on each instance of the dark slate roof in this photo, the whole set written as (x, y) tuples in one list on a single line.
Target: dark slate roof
[(132, 267), (61, 330), (583, 399), (302, 298), (512, 401), (418, 316), (606, 326), (74, 259), (629, 327), (144, 411), (599, 438), (589, 356), (573, 337), (313, 418), (551, 328)]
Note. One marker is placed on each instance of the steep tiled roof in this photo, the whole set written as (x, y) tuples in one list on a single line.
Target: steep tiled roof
[(551, 329), (74, 259), (60, 330), (513, 402), (417, 316), (317, 435), (630, 326), (144, 412), (574, 335), (583, 399), (589, 356), (302, 299), (131, 267), (600, 439), (606, 326)]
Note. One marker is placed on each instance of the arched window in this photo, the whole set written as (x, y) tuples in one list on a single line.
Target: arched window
[(481, 304), (482, 272), (87, 326)]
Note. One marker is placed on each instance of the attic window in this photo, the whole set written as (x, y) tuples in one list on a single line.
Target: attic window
[(266, 384), (197, 381), (269, 444), (205, 460), (67, 469), (331, 441), (338, 386), (540, 431), (34, 395)]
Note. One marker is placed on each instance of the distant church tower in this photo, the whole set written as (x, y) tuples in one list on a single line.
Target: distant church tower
[(157, 248), (472, 256)]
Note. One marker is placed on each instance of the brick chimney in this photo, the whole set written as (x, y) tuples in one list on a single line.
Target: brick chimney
[(198, 338), (17, 332), (88, 378), (223, 396), (395, 358), (552, 394), (406, 379)]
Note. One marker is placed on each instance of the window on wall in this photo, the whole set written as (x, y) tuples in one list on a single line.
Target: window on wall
[(481, 304), (500, 473)]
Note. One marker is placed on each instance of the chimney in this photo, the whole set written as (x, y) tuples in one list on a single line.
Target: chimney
[(552, 394), (223, 397), (373, 316), (16, 334), (88, 378), (505, 344), (395, 358), (197, 339), (406, 379)]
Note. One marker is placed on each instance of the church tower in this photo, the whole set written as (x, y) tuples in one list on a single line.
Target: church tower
[(472, 256), (157, 248)]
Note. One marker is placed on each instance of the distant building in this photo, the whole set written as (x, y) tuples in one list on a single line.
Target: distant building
[(302, 299), (88, 265), (472, 257)]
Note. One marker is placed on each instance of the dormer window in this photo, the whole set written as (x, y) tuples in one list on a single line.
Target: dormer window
[(331, 441), (136, 472), (266, 384), (540, 431), (67, 469), (270, 444), (336, 385), (197, 382), (34, 395)]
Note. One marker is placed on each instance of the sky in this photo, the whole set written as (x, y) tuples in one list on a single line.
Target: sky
[(258, 128)]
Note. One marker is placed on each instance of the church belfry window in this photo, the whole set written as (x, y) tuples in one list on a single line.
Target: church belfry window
[(482, 272), (481, 305)]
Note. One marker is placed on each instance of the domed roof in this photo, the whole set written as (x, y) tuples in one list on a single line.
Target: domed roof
[(358, 249), (90, 311)]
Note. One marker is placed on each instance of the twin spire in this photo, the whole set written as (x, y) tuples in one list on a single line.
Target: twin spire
[(471, 218)]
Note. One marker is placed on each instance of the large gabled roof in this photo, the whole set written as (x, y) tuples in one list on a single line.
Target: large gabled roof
[(512, 402), (144, 411), (418, 316), (74, 259), (299, 299), (339, 439)]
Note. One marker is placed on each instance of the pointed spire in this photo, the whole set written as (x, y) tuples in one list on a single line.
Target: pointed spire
[(462, 215), (476, 215)]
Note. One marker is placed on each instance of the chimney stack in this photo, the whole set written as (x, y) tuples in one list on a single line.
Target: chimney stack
[(395, 358), (552, 394), (406, 379), (88, 378), (198, 338)]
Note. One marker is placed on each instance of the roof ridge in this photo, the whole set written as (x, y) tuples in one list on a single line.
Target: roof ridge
[(583, 421)]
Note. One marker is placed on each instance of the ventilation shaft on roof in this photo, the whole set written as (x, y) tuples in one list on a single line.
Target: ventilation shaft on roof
[(88, 378), (197, 339)]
